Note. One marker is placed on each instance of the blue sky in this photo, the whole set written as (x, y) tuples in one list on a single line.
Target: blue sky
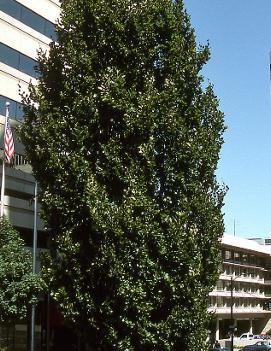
[(239, 33)]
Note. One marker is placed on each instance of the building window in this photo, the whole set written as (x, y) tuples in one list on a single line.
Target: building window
[(227, 302), (254, 303), (244, 272), (28, 17), (253, 288), (17, 60), (257, 261), (229, 270), (252, 259), (15, 108), (219, 301), (246, 287), (227, 255), (219, 285), (237, 271), (267, 305), (245, 258), (227, 285), (237, 256), (236, 286)]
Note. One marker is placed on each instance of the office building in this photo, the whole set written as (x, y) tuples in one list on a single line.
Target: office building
[(242, 296), (25, 27)]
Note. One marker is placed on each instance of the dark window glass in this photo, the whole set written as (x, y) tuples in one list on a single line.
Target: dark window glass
[(32, 20), (15, 108), (28, 17), (11, 8), (49, 30), (17, 60), (27, 65), (244, 257), (228, 255), (252, 259), (19, 115), (9, 56), (237, 256)]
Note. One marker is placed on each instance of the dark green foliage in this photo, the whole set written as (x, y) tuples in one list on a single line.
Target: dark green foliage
[(125, 144), (19, 287)]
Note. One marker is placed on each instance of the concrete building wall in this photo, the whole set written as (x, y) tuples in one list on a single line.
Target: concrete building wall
[(19, 42), (243, 288), (19, 36), (19, 199)]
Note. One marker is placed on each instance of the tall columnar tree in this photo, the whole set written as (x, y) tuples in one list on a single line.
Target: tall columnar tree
[(125, 143), (19, 287)]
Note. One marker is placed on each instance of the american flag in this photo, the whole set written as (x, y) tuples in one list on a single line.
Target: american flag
[(9, 143)]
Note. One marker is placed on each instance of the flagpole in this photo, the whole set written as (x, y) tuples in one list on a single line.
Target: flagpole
[(3, 166), (33, 310)]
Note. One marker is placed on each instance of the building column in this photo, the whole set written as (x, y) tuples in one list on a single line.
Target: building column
[(217, 329), (251, 325)]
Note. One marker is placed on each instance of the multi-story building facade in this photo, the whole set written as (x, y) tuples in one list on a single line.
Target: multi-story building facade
[(242, 296), (25, 27)]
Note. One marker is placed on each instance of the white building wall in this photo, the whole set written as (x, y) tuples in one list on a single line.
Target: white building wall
[(27, 41), (49, 9), (246, 268)]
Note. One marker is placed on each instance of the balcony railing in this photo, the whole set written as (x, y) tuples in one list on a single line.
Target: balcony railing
[(238, 310)]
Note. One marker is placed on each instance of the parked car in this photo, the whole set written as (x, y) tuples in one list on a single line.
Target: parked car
[(221, 349), (264, 345), (247, 336)]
